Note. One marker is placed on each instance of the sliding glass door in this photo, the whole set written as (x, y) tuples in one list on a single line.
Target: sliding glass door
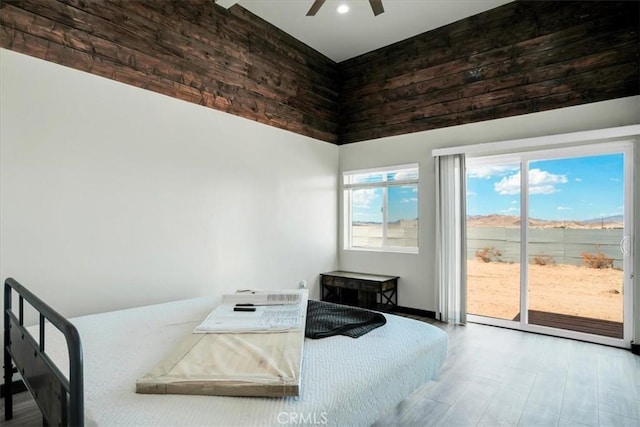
[(493, 238), (548, 238), (576, 265)]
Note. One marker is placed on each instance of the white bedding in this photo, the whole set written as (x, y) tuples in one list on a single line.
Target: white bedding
[(345, 381)]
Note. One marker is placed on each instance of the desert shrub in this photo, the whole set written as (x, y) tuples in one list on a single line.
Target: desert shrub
[(596, 260), (489, 254), (544, 260)]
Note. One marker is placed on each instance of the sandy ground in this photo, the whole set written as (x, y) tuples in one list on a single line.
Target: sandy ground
[(494, 289)]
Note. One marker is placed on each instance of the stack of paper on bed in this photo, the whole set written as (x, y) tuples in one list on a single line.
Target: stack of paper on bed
[(252, 311), (250, 345)]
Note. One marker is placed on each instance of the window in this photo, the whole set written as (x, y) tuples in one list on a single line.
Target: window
[(381, 209)]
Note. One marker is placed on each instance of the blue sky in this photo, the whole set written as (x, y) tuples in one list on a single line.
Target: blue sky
[(578, 188), (367, 203)]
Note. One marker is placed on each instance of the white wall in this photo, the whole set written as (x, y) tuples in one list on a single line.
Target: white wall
[(112, 196), (417, 282)]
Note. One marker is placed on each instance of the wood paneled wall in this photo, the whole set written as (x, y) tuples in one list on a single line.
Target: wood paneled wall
[(193, 50), (520, 58)]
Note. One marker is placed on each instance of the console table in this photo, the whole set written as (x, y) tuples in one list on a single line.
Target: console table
[(361, 289)]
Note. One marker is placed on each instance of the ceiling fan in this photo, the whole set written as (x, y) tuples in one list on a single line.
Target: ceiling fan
[(376, 6)]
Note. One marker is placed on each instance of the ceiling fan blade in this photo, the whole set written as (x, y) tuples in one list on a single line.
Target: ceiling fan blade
[(317, 4), (376, 5)]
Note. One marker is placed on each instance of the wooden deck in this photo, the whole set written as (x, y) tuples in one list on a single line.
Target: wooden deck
[(587, 325)]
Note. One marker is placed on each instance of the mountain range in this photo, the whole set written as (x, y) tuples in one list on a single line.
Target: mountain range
[(615, 221)]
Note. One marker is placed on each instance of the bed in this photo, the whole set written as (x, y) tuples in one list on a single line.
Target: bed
[(97, 359)]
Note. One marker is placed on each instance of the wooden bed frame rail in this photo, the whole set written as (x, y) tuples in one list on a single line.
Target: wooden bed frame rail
[(60, 400)]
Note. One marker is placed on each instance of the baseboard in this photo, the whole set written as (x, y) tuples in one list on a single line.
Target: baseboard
[(16, 387), (415, 312), (635, 349)]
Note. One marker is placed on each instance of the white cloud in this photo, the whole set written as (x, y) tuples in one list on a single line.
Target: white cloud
[(362, 198), (508, 185), (410, 200), (488, 171), (402, 175), (564, 208), (540, 182), (578, 179), (471, 194)]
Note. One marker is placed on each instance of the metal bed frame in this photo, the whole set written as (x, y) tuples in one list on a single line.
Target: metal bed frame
[(61, 400)]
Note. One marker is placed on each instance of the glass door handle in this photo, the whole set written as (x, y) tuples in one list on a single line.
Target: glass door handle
[(623, 245)]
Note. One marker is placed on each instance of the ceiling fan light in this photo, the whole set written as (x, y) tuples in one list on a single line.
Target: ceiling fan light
[(343, 8)]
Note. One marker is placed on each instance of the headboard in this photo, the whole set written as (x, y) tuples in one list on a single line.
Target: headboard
[(60, 400)]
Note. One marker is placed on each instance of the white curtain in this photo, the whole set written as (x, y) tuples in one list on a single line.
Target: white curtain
[(451, 241)]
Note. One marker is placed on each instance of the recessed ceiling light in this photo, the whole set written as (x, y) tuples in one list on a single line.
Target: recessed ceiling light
[(343, 8)]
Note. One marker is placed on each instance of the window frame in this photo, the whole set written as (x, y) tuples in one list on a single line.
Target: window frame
[(348, 187)]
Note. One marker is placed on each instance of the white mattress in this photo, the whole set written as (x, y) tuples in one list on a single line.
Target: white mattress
[(345, 381)]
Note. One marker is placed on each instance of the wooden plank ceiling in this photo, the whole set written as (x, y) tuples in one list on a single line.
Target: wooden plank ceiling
[(193, 50), (517, 59), (520, 58)]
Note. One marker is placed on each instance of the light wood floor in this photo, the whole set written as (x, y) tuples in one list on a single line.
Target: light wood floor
[(499, 377), (25, 411)]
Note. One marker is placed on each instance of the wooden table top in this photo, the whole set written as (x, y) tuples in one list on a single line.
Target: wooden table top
[(360, 276)]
